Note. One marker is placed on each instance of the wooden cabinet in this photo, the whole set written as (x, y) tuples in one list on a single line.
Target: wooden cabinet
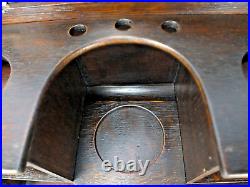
[(164, 82)]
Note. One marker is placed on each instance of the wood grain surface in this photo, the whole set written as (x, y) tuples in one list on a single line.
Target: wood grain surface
[(210, 43), (167, 169), (36, 12)]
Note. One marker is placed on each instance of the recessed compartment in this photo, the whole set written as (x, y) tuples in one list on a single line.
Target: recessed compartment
[(133, 101), (156, 83)]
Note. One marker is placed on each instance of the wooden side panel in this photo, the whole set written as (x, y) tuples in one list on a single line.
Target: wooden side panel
[(57, 122), (198, 141)]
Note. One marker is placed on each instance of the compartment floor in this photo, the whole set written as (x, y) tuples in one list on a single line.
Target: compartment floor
[(105, 135)]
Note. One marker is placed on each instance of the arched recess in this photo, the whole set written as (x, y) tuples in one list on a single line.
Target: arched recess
[(106, 70)]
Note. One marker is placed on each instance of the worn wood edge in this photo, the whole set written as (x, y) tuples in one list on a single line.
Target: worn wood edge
[(215, 170), (30, 164), (32, 174), (210, 172), (60, 11)]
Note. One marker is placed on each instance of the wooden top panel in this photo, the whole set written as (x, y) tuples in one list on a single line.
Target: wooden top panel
[(35, 12)]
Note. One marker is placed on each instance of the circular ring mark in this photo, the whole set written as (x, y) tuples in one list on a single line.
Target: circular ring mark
[(130, 132)]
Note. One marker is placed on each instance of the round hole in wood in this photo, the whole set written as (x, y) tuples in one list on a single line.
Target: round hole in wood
[(123, 24), (170, 26), (77, 30), (129, 132), (6, 69), (245, 64)]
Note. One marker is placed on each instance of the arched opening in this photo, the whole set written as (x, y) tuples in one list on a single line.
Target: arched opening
[(133, 101), (6, 69)]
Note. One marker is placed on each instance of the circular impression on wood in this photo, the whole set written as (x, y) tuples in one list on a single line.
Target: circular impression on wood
[(129, 132)]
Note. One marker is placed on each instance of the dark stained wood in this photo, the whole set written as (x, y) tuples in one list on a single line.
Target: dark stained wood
[(210, 44), (198, 140), (35, 12), (127, 64), (57, 123), (129, 132), (132, 92), (167, 169), (31, 174)]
